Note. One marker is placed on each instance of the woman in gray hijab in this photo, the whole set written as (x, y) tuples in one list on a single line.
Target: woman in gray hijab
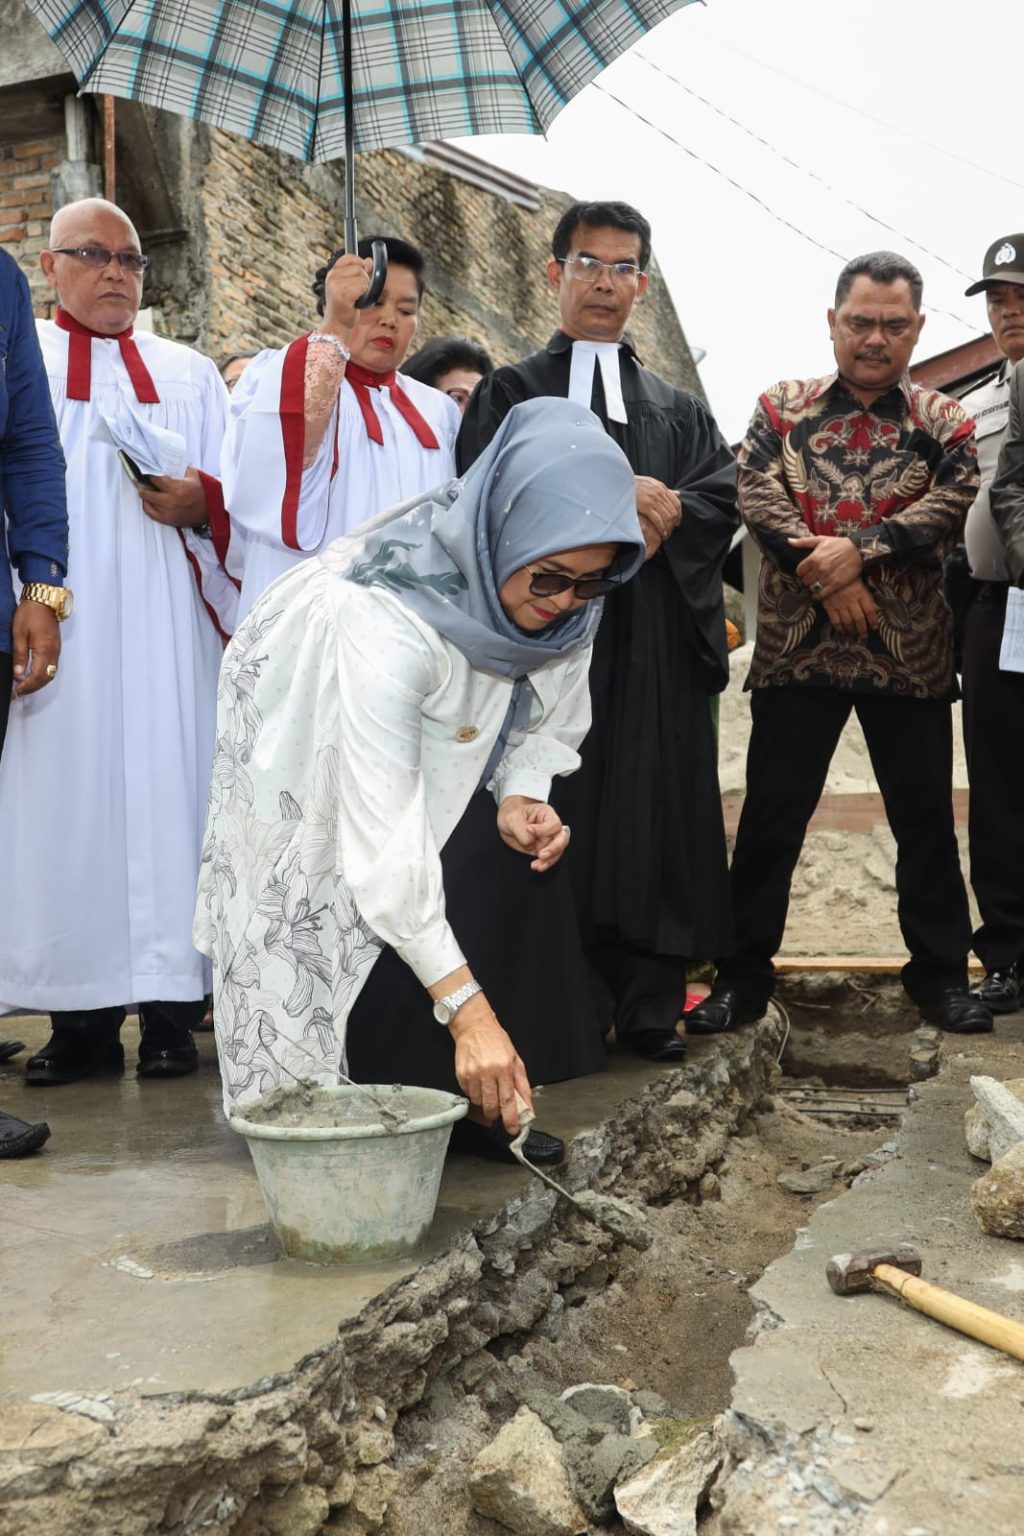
[(372, 703)]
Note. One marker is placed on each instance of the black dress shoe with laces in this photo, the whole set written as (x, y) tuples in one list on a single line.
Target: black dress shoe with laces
[(69, 1056), (164, 1053), (956, 1011), (493, 1142), (1000, 992), (722, 1010), (18, 1138)]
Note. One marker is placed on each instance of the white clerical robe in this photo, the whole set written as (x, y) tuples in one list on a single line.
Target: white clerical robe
[(105, 772), (287, 513)]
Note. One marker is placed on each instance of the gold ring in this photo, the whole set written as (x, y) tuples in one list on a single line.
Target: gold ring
[(51, 671)]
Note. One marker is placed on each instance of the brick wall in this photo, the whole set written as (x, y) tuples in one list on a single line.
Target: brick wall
[(26, 169), (270, 223), (236, 231)]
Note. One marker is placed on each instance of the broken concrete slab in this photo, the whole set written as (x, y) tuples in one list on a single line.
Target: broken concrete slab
[(978, 1125), (811, 1181), (663, 1498), (944, 1452), (520, 1480), (998, 1196), (1004, 1115), (283, 1370)]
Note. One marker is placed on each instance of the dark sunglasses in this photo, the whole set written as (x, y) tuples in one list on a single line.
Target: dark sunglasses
[(96, 256), (551, 583)]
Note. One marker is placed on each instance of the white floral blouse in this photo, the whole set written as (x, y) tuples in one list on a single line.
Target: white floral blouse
[(350, 739)]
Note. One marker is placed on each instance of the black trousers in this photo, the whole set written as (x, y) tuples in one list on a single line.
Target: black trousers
[(994, 741), (155, 1019), (795, 731)]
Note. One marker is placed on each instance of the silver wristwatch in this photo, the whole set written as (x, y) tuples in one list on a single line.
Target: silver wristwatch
[(446, 1008)]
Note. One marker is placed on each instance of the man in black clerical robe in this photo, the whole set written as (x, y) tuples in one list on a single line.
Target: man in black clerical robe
[(648, 858)]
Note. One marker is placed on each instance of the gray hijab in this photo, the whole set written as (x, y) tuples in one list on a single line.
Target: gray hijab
[(551, 479)]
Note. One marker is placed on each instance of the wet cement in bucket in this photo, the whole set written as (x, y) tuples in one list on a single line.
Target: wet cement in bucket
[(307, 1105), (350, 1173)]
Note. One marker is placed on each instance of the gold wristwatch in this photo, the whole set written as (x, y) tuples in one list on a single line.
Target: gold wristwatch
[(58, 599)]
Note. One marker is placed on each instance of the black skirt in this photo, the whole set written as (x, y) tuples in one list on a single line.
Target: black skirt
[(519, 933)]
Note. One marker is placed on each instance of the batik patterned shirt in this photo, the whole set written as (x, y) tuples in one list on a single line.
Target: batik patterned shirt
[(897, 478)]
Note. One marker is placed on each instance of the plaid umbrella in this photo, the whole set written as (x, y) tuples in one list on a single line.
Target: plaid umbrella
[(420, 69)]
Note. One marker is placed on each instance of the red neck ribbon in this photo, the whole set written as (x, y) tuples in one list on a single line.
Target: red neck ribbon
[(80, 340), (362, 381)]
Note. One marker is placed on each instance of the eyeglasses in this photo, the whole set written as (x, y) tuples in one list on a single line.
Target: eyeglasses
[(552, 583), (96, 256), (587, 269)]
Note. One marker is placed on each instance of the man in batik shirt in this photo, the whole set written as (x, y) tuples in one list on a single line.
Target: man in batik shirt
[(855, 486)]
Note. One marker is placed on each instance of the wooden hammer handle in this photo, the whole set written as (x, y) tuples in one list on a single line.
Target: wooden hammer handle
[(978, 1322)]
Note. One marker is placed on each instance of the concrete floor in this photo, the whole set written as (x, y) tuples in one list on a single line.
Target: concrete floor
[(864, 1416), (135, 1250)]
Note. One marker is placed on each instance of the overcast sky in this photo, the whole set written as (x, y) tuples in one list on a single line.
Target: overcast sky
[(905, 109)]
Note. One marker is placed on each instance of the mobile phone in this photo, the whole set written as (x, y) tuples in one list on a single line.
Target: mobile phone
[(133, 471)]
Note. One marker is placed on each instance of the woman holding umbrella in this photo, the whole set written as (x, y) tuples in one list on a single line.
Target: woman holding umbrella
[(372, 706)]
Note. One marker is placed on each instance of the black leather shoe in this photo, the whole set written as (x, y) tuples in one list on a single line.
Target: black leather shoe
[(9, 1048), (71, 1055), (167, 1055), (493, 1142), (958, 1012), (722, 1010), (17, 1137), (657, 1045), (1000, 992)]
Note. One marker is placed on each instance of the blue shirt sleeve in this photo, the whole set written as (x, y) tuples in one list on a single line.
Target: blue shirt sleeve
[(31, 460)]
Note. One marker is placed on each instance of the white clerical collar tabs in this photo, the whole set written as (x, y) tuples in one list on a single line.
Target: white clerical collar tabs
[(586, 355)]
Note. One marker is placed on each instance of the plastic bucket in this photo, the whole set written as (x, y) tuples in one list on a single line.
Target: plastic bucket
[(344, 1183)]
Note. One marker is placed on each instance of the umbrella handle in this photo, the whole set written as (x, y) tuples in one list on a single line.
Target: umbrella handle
[(378, 277)]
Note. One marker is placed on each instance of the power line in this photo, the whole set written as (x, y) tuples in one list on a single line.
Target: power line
[(747, 192), (880, 122), (803, 169)]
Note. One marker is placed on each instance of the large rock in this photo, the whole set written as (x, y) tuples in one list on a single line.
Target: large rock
[(998, 1196), (662, 1498), (1004, 1114), (520, 1480), (976, 1125)]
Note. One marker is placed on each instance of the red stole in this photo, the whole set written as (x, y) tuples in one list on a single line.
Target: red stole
[(80, 340), (362, 381)]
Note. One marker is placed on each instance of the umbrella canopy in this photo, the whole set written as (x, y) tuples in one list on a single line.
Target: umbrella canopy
[(421, 69)]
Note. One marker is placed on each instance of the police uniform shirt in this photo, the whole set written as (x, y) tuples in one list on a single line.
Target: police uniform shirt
[(989, 405)]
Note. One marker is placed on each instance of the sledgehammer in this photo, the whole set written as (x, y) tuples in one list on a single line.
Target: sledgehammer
[(894, 1271)]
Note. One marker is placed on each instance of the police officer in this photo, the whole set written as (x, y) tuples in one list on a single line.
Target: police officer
[(993, 715)]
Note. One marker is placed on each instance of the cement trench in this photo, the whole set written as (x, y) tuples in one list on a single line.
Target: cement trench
[(348, 1441)]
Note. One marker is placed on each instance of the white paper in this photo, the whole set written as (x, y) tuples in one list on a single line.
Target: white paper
[(1011, 653), (154, 449)]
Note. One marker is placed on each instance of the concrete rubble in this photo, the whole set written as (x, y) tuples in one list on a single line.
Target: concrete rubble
[(308, 1448), (664, 1497), (1003, 1112), (994, 1127), (520, 1480), (858, 1416), (595, 1452), (998, 1196)]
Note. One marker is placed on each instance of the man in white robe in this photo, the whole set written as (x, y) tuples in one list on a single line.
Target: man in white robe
[(322, 434), (105, 774)]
